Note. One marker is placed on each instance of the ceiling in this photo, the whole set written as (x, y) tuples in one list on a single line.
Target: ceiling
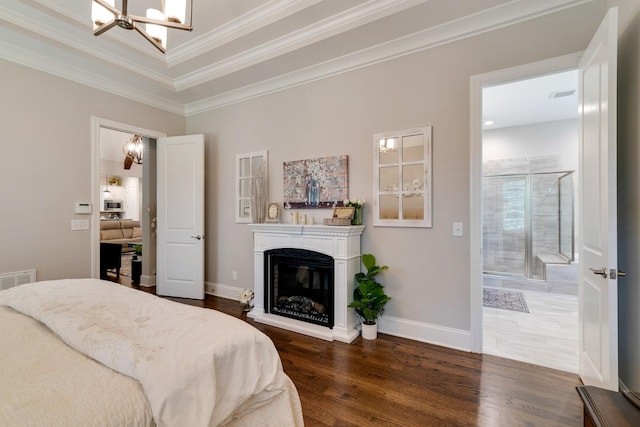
[(535, 100), (240, 49)]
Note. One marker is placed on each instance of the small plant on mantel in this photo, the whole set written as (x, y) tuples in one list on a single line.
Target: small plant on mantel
[(369, 298)]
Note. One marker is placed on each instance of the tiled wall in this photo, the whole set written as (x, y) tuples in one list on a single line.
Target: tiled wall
[(505, 200)]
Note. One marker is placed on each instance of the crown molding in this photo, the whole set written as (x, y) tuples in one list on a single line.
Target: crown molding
[(321, 30), (506, 14), (74, 37), (488, 20), (83, 18), (255, 19), (58, 68)]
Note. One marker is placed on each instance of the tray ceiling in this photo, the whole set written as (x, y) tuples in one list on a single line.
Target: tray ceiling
[(240, 49)]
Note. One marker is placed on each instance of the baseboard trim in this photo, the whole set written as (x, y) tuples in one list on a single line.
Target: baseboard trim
[(222, 291), (457, 339), (424, 332), (147, 281)]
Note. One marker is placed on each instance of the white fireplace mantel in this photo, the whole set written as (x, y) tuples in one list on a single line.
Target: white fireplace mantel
[(340, 242)]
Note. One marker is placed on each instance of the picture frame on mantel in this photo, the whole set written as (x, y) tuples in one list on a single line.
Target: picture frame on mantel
[(273, 213)]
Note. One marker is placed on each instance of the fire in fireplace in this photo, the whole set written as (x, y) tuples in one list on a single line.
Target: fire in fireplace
[(299, 285)]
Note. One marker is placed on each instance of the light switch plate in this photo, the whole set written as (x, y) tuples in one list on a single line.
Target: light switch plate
[(458, 229), (79, 224)]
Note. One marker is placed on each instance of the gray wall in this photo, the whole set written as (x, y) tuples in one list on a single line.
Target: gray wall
[(45, 166), (628, 191), (429, 273)]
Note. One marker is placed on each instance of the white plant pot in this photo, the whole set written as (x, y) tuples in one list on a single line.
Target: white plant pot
[(370, 332)]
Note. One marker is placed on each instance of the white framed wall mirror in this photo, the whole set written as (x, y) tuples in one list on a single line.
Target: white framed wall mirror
[(251, 172), (402, 178)]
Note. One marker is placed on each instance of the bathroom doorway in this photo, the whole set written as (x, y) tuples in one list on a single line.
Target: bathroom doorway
[(530, 275)]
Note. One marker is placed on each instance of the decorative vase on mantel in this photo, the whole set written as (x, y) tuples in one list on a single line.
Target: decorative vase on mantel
[(357, 216), (258, 200)]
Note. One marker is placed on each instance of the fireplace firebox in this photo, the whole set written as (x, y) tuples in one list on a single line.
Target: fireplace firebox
[(299, 285)]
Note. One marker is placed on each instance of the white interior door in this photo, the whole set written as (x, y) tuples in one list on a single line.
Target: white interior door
[(598, 288), (180, 223)]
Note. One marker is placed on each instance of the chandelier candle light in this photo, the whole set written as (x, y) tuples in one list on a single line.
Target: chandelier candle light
[(105, 16), (133, 151)]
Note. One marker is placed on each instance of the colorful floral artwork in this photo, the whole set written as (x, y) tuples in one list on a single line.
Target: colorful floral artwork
[(316, 183)]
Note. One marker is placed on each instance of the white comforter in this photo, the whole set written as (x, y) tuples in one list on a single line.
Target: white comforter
[(44, 382), (197, 367)]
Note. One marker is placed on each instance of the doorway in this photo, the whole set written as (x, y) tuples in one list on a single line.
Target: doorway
[(597, 239), (134, 188), (121, 209), (527, 161)]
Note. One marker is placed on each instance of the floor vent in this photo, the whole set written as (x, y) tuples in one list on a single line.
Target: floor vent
[(9, 280)]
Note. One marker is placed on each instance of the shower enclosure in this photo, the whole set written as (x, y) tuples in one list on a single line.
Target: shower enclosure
[(528, 220)]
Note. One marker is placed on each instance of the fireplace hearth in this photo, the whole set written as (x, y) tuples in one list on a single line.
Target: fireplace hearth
[(306, 300), (299, 285)]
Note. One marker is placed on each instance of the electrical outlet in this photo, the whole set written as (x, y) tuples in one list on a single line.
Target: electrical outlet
[(235, 275), (457, 229)]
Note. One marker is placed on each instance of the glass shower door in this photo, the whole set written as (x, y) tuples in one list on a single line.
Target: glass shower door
[(565, 203), (504, 211)]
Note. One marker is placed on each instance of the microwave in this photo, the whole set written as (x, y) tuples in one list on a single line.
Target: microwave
[(113, 205)]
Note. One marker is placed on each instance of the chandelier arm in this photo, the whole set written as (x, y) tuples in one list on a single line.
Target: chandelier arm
[(128, 22), (107, 6), (145, 20), (149, 38), (190, 15), (104, 27)]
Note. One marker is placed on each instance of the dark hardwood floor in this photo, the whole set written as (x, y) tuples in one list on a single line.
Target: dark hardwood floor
[(399, 382)]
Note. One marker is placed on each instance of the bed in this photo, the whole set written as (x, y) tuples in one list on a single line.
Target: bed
[(91, 352)]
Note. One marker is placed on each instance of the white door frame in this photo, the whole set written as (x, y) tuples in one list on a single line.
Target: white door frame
[(96, 124), (540, 68)]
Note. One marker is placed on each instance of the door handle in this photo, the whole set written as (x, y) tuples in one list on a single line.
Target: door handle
[(602, 271), (613, 273), (197, 237)]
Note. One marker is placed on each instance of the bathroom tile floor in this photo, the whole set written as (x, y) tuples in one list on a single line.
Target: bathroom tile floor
[(546, 336)]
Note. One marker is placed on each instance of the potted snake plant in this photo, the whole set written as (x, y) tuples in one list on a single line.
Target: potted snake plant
[(369, 298)]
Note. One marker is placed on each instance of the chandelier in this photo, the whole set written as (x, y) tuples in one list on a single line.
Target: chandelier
[(152, 27), (132, 151)]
